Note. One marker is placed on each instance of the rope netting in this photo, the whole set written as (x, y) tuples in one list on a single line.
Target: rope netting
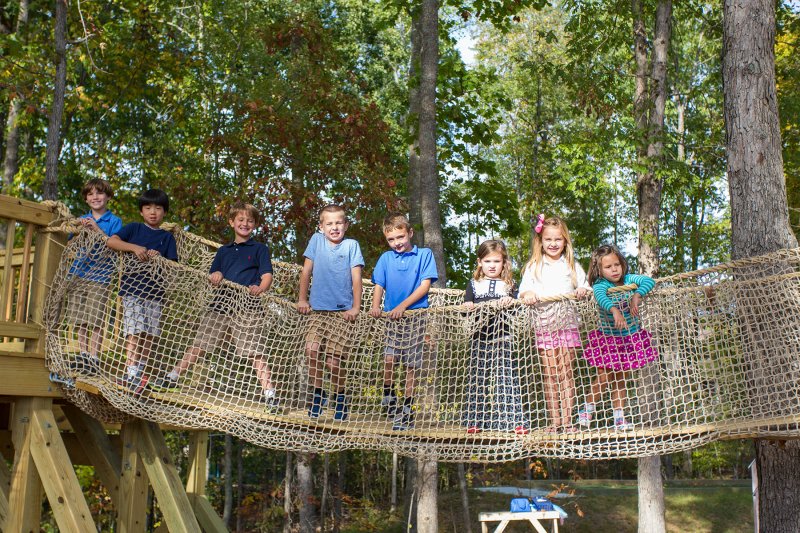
[(726, 342)]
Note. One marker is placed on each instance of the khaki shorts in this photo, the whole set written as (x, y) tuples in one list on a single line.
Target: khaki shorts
[(330, 331), (88, 303), (214, 328)]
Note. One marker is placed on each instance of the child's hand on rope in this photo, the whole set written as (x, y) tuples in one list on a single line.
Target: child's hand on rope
[(255, 290), (619, 319), (141, 253), (529, 297), (397, 312), (89, 223), (375, 312), (303, 307), (470, 306), (581, 293), (636, 300), (350, 315), (215, 278), (505, 301)]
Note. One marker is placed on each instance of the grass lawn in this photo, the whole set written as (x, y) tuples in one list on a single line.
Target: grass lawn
[(696, 506)]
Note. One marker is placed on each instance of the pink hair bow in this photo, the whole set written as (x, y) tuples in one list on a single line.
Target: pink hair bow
[(539, 223)]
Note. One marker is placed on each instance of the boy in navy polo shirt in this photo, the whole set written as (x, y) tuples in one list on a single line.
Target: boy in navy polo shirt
[(245, 262), (335, 264), (87, 304), (405, 274), (141, 292)]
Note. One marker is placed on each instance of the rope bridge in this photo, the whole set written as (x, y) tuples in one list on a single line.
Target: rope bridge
[(727, 339)]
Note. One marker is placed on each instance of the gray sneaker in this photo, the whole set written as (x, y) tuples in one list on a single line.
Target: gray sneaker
[(165, 384), (404, 419)]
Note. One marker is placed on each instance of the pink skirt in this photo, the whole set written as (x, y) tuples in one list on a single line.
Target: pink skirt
[(562, 338), (620, 353)]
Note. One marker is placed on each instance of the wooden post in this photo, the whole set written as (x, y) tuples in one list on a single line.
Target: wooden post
[(45, 264), (95, 442), (55, 470), (198, 470), (167, 485), (133, 486), (5, 485), (209, 520), (25, 498)]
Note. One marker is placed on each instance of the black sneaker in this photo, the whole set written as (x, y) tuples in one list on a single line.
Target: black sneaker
[(165, 384), (85, 364), (389, 406), (270, 403), (136, 384), (404, 419)]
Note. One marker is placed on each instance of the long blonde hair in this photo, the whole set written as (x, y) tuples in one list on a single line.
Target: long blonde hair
[(537, 257), (493, 246)]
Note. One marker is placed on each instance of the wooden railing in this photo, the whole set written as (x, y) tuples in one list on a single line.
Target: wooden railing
[(25, 278)]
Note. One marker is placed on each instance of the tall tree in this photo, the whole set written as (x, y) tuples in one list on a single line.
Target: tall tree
[(11, 157), (649, 105), (50, 185), (759, 210)]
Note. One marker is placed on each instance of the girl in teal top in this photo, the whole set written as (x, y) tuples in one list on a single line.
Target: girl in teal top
[(619, 344)]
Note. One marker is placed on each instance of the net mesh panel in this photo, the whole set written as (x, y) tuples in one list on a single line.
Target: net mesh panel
[(727, 341)]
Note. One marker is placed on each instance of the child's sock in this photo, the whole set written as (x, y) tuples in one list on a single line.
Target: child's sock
[(269, 393), (173, 376), (133, 371), (619, 414), (408, 402), (388, 390), (588, 407)]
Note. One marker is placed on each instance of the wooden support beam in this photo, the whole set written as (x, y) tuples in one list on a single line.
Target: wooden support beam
[(209, 520), (167, 485), (133, 486), (25, 498), (5, 487), (98, 447), (25, 210), (198, 470), (30, 378), (45, 265), (55, 470)]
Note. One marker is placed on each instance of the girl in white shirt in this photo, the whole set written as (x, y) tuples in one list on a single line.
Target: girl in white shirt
[(553, 271)]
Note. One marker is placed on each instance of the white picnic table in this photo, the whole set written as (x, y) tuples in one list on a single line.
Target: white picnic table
[(505, 517)]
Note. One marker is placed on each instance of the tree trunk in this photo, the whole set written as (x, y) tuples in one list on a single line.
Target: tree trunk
[(239, 484), (759, 210), (50, 185), (287, 495), (427, 508), (337, 490), (11, 158), (227, 475), (428, 168), (410, 494), (412, 125), (462, 485), (323, 504), (649, 110), (305, 494), (393, 496)]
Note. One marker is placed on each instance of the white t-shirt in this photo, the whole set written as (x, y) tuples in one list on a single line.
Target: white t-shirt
[(554, 279)]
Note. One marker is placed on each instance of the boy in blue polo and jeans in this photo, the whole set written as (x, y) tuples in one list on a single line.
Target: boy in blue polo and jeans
[(404, 274), (335, 265), (246, 262), (86, 306), (142, 293)]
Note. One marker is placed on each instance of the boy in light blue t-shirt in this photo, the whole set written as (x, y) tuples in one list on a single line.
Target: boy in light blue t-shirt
[(405, 274), (87, 304), (335, 264)]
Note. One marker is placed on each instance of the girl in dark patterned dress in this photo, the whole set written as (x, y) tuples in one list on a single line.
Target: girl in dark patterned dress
[(494, 399)]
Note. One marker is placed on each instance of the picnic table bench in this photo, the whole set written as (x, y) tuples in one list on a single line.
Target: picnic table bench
[(505, 517)]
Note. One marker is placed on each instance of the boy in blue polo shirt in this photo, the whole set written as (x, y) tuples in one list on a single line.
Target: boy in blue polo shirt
[(405, 274), (142, 293), (335, 264), (87, 304), (245, 262)]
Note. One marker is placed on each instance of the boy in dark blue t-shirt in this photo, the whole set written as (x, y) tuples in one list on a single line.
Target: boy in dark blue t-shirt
[(141, 293), (245, 262)]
